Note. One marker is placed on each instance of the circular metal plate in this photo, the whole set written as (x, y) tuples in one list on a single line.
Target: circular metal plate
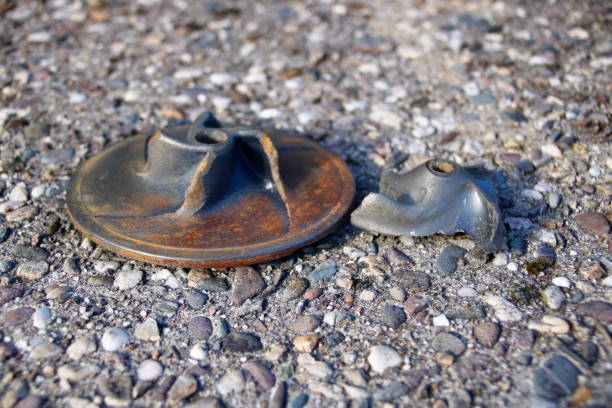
[(107, 201)]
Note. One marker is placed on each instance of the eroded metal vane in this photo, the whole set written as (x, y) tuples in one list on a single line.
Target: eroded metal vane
[(208, 195), (438, 196)]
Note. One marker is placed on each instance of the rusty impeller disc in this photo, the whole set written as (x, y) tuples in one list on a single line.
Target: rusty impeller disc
[(208, 195)]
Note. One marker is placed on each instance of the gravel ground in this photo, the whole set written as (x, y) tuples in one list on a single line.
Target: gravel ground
[(356, 320)]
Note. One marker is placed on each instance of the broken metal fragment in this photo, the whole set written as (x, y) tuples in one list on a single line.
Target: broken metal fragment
[(438, 196), (208, 195)]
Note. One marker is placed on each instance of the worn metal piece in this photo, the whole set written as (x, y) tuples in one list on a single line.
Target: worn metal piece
[(438, 196), (208, 195)]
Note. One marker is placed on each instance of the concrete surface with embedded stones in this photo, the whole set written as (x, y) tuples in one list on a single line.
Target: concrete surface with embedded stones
[(356, 319)]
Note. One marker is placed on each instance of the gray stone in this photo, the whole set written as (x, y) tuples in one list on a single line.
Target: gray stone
[(391, 392), (114, 338), (487, 333), (324, 271), (554, 297), (9, 294), (417, 281), (556, 378), (241, 342), (147, 330), (184, 387), (16, 317), (6, 266), (392, 316), (199, 328), (596, 309), (449, 342), (196, 300), (304, 324), (446, 262)]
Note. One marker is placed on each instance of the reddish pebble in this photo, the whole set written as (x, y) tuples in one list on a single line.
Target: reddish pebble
[(593, 223), (313, 293)]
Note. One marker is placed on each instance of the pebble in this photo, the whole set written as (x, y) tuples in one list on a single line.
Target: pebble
[(197, 352), (487, 333), (196, 300), (554, 297), (596, 309), (294, 289), (206, 402), (149, 370), (417, 281), (168, 279), (46, 351), (41, 317), (22, 214), (55, 292), (33, 270), (232, 381), (199, 328), (306, 343), (549, 325), (353, 253), (82, 346), (553, 199), (31, 401), (16, 317), (299, 401), (414, 305), (333, 339), (367, 295), (128, 279), (304, 324), (188, 73), (106, 266), (561, 281), (398, 293), (467, 292), (260, 373), (241, 342), (556, 378), (114, 338), (382, 357), (392, 316), (448, 342), (501, 259), (324, 271), (440, 321), (9, 294), (184, 387), (593, 271), (607, 281), (385, 116), (6, 266), (398, 258), (593, 223), (147, 330), (18, 193), (505, 310), (447, 260), (248, 283), (312, 293)]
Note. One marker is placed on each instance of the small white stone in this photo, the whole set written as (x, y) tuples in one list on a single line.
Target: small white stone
[(39, 37), (188, 73), (221, 78), (500, 259), (221, 103), (385, 116), (150, 370), (561, 281), (232, 381), (367, 295), (128, 279), (505, 310), (382, 357), (270, 113), (80, 347), (595, 170), (554, 199), (114, 338), (18, 193), (329, 318), (554, 297), (532, 194), (552, 150), (467, 292), (512, 266), (441, 321), (106, 266), (131, 95), (38, 191), (607, 281), (197, 352), (75, 97), (398, 293), (353, 253), (548, 237), (40, 317)]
